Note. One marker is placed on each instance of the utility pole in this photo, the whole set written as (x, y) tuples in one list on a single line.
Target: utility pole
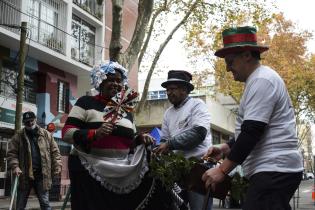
[(20, 82)]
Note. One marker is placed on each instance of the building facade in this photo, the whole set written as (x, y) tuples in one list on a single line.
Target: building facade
[(65, 39)]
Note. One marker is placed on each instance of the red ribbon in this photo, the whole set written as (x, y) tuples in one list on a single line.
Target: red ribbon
[(237, 38)]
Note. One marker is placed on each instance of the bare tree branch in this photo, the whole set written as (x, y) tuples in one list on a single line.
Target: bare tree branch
[(148, 37), (158, 54)]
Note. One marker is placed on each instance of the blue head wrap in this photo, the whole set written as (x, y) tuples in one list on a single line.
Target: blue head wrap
[(98, 73)]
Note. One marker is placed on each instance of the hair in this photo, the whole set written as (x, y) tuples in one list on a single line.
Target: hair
[(256, 55)]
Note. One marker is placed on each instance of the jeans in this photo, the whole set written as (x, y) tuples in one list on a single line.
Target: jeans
[(42, 195), (196, 201)]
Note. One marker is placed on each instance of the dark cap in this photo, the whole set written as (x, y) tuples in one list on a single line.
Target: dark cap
[(179, 77), (27, 116)]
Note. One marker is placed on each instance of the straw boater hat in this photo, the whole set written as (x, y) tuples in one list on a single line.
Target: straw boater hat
[(179, 77), (238, 40)]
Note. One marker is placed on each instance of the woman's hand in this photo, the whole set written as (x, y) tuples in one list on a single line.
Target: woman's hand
[(105, 130)]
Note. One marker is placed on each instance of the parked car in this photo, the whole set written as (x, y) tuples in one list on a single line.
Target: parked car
[(308, 175)]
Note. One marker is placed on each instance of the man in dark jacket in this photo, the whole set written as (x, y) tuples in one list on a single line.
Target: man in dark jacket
[(33, 156)]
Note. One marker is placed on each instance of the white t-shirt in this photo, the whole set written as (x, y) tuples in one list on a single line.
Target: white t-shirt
[(266, 99), (177, 120)]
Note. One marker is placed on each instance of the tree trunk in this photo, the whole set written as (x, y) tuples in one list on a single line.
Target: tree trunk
[(115, 46), (129, 57), (157, 56)]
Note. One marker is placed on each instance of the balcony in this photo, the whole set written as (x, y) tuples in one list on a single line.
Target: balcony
[(43, 21), (83, 37), (47, 22), (91, 6)]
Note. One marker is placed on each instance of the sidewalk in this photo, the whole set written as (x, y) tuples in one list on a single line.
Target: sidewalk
[(301, 204), (32, 204)]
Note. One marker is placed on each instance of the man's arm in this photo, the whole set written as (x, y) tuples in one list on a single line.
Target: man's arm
[(188, 139), (251, 133), (13, 152)]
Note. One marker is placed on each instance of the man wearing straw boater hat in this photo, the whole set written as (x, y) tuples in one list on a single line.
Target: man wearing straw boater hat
[(186, 125), (266, 139)]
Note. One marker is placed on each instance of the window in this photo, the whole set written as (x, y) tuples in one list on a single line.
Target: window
[(8, 85), (29, 89), (63, 97), (83, 41), (8, 82), (215, 136), (162, 94), (225, 137), (43, 22), (154, 95), (3, 155)]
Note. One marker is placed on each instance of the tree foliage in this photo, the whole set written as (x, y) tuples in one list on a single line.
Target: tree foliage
[(203, 40), (287, 55)]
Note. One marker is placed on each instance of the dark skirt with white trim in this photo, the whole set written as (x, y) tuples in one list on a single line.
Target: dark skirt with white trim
[(88, 193)]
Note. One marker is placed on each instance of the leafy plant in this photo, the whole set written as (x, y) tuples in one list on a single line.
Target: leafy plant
[(86, 8), (170, 168), (239, 187), (99, 2), (99, 15)]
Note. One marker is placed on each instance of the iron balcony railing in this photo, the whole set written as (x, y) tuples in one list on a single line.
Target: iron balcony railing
[(44, 33), (94, 7), (39, 30)]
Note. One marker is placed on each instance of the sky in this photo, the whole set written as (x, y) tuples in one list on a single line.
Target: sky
[(302, 13)]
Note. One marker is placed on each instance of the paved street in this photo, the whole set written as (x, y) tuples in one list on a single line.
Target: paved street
[(301, 201), (305, 196)]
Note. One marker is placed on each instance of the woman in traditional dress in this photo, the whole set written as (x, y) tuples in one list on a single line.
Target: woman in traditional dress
[(108, 166)]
